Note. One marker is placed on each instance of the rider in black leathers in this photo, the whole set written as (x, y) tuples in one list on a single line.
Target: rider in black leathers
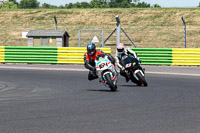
[(89, 60)]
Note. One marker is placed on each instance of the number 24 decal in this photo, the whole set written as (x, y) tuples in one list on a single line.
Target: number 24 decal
[(102, 65)]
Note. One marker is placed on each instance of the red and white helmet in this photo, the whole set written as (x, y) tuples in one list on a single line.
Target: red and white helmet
[(120, 47)]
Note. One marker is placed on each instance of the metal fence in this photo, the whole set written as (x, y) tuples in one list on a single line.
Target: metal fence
[(143, 35), (86, 36)]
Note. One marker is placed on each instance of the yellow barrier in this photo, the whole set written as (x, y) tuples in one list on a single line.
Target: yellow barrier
[(74, 55), (186, 56), (2, 54)]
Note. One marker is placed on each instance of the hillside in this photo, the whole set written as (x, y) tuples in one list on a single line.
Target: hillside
[(146, 27)]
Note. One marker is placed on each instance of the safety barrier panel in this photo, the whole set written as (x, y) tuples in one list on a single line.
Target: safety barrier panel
[(74, 55), (188, 57), (20, 54), (2, 54), (168, 56)]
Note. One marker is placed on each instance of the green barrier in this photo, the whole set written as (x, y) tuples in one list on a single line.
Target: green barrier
[(154, 56), (75, 55), (169, 56), (21, 54)]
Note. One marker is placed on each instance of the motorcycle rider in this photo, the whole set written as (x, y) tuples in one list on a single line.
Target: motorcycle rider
[(89, 59), (122, 51)]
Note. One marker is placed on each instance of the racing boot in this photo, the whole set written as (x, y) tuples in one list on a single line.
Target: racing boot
[(127, 78), (92, 75), (123, 73)]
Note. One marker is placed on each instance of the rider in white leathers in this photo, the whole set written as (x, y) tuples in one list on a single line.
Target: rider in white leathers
[(121, 51)]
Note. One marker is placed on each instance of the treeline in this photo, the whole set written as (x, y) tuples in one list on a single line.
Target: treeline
[(111, 4), (32, 4)]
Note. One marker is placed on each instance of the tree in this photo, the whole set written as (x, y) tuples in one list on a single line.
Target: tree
[(14, 1), (61, 7), (110, 4), (45, 5), (9, 5), (29, 4), (143, 5), (156, 6), (85, 5), (136, 1), (199, 5), (95, 3), (77, 5), (125, 4), (69, 6)]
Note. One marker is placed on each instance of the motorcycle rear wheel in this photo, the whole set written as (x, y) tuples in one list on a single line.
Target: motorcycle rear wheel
[(110, 83)]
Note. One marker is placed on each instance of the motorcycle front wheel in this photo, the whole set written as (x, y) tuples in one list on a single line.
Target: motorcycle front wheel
[(142, 79), (110, 83)]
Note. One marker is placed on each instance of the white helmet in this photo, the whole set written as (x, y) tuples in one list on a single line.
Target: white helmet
[(120, 47)]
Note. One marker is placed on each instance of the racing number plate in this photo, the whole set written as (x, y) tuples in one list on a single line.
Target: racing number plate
[(102, 65), (128, 65)]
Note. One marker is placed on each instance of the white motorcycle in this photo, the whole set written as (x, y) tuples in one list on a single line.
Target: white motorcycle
[(106, 72)]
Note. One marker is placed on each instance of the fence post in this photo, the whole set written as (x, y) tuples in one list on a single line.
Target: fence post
[(184, 31), (118, 29), (56, 25), (102, 38), (79, 38)]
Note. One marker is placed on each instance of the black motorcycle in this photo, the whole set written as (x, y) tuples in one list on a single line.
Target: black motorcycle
[(134, 70)]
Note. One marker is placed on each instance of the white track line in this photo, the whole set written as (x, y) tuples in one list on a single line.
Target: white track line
[(173, 73), (79, 69), (44, 68)]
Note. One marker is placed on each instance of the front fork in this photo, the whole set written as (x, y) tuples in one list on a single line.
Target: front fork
[(136, 71), (113, 77)]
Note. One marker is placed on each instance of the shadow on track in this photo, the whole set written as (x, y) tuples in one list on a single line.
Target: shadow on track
[(128, 85), (102, 90)]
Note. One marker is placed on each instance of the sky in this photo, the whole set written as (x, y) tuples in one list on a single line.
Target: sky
[(162, 3)]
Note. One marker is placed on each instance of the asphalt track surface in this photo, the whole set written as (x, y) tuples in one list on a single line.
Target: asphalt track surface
[(60, 99)]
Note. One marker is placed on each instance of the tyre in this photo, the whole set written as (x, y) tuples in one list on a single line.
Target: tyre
[(134, 80), (110, 83), (141, 78)]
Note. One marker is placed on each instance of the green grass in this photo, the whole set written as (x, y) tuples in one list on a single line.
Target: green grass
[(160, 27)]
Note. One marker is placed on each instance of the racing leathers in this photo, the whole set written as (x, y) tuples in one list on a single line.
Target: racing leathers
[(89, 62), (118, 57)]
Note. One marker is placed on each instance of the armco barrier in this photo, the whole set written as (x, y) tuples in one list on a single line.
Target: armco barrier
[(168, 56), (30, 54), (154, 56), (20, 54), (185, 56), (74, 55), (2, 54)]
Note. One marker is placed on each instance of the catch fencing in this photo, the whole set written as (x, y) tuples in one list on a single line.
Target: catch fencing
[(143, 35)]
